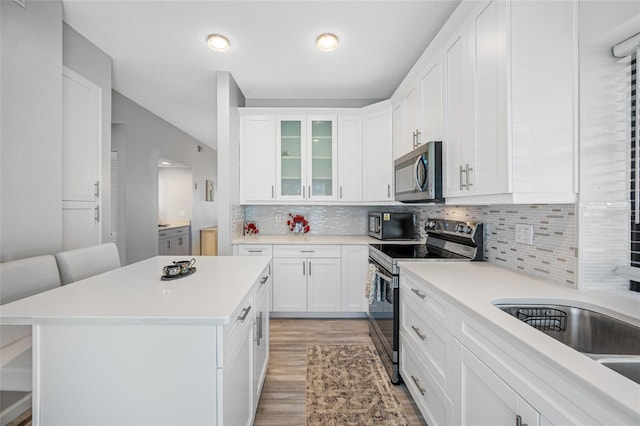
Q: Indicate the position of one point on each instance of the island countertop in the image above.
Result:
(136, 294)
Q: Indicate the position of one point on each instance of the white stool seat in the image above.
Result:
(82, 263)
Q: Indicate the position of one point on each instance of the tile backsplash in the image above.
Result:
(553, 254)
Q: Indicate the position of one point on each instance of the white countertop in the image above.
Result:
(472, 286)
(315, 239)
(173, 225)
(135, 294)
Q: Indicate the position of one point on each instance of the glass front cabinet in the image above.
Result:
(306, 166)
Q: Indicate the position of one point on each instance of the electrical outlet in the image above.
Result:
(524, 234)
(278, 217)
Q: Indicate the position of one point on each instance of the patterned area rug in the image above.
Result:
(347, 385)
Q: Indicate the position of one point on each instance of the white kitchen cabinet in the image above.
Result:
(505, 140)
(257, 157)
(350, 157)
(306, 168)
(483, 399)
(307, 278)
(377, 153)
(430, 112)
(252, 250)
(354, 277)
(236, 380)
(174, 241)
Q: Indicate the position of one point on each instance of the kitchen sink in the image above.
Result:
(611, 342)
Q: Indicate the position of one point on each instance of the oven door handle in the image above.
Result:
(384, 277)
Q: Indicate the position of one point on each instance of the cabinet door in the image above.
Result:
(182, 246)
(412, 131)
(291, 165)
(164, 247)
(236, 387)
(483, 398)
(459, 149)
(321, 153)
(350, 158)
(401, 143)
(377, 154)
(80, 221)
(354, 277)
(289, 284)
(257, 156)
(488, 55)
(430, 122)
(324, 285)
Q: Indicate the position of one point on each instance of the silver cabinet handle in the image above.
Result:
(307, 251)
(163, 234)
(519, 421)
(97, 214)
(303, 267)
(462, 185)
(309, 191)
(258, 323)
(97, 191)
(264, 279)
(341, 192)
(417, 292)
(418, 133)
(245, 312)
(420, 388)
(254, 251)
(467, 170)
(273, 192)
(309, 268)
(417, 331)
(303, 193)
(388, 190)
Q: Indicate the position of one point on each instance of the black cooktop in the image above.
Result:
(415, 251)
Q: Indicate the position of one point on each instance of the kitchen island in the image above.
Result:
(125, 347)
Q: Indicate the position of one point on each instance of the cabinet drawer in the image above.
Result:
(241, 318)
(427, 336)
(173, 232)
(255, 250)
(310, 250)
(424, 299)
(435, 406)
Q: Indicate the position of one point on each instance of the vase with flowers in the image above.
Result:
(298, 225)
(251, 229)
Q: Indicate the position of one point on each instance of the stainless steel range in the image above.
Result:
(446, 241)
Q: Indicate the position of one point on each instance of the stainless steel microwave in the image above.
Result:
(418, 175)
(391, 226)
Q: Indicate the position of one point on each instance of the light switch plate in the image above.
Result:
(524, 234)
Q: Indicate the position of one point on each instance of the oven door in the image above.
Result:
(384, 319)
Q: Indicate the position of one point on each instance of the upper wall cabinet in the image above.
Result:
(501, 80)
(309, 156)
(517, 143)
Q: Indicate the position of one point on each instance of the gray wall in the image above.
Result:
(83, 57)
(141, 140)
(31, 129)
(229, 98)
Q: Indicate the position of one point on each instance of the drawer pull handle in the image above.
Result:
(417, 331)
(264, 280)
(420, 388)
(245, 312)
(417, 292)
(307, 251)
(254, 251)
(519, 421)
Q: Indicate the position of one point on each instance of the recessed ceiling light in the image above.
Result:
(218, 42)
(165, 163)
(327, 42)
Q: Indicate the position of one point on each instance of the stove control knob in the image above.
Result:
(431, 224)
(468, 229)
(459, 228)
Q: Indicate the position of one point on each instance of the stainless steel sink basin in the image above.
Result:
(611, 342)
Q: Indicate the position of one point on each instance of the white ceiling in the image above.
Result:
(161, 61)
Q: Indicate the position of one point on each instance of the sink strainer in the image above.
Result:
(547, 319)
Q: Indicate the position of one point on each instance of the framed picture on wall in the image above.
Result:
(209, 190)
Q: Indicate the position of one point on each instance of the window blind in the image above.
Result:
(631, 47)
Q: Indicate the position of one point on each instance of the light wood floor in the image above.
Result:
(283, 396)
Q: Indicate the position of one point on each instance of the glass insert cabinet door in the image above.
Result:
(307, 157)
(292, 167)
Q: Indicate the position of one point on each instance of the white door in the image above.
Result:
(80, 161)
(289, 284)
(324, 288)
